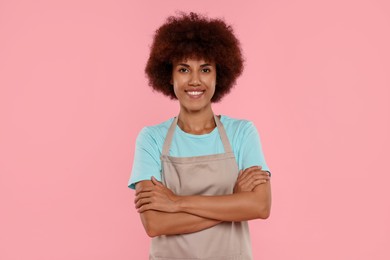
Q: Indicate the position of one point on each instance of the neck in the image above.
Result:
(199, 122)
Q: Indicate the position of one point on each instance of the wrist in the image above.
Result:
(178, 203)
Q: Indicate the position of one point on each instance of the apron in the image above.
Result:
(202, 175)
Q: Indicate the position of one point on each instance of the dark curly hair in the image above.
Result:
(194, 36)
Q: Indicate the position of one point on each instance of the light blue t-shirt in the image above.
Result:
(242, 134)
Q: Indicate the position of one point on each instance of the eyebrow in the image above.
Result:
(186, 65)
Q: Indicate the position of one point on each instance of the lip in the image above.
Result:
(195, 93)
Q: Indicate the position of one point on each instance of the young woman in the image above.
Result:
(198, 177)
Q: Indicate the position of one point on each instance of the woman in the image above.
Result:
(198, 177)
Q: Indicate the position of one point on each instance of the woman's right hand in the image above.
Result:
(156, 197)
(248, 179)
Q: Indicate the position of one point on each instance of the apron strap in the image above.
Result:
(222, 133)
(169, 137)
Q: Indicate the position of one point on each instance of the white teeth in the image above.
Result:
(195, 93)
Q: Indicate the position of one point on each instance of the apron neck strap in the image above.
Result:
(221, 130)
(169, 137)
(223, 135)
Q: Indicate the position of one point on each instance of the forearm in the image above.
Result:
(234, 207)
(157, 223)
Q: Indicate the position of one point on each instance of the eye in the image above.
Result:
(206, 70)
(183, 70)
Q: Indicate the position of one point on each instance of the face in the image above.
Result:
(194, 83)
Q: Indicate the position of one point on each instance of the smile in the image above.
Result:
(195, 93)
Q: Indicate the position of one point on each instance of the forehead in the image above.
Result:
(193, 61)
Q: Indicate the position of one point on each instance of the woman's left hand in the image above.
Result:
(157, 197)
(250, 178)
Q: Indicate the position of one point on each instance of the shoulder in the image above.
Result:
(239, 131)
(237, 125)
(154, 132)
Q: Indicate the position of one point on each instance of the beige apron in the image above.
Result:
(202, 175)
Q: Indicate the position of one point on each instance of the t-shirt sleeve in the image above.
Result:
(146, 159)
(251, 151)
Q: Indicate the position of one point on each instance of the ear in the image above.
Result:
(171, 82)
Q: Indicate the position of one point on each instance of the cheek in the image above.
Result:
(175, 89)
(212, 85)
(212, 91)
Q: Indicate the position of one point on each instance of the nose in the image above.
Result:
(194, 81)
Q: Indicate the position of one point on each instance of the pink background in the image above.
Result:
(73, 97)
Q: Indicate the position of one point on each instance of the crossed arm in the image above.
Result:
(165, 213)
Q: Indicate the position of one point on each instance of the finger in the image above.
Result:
(254, 178)
(257, 183)
(248, 172)
(263, 174)
(150, 206)
(251, 186)
(142, 202)
(255, 167)
(144, 208)
(257, 176)
(143, 195)
(244, 173)
(252, 168)
(145, 189)
(260, 181)
(156, 182)
(244, 177)
(258, 172)
(246, 185)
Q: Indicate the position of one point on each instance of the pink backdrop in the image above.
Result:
(74, 96)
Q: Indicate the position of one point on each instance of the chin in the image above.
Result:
(194, 107)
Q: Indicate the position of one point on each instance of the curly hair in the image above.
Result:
(194, 36)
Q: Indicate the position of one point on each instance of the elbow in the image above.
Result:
(263, 201)
(264, 212)
(151, 233)
(149, 223)
(151, 229)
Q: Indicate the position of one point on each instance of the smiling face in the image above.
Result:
(194, 83)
